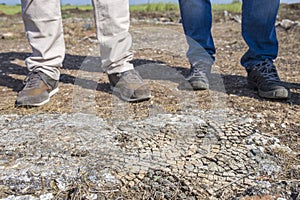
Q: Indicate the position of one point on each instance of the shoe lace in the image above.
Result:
(133, 76)
(32, 80)
(267, 71)
(199, 71)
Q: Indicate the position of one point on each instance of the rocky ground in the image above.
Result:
(225, 143)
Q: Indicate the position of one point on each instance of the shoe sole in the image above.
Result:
(53, 92)
(118, 93)
(274, 94)
(199, 85)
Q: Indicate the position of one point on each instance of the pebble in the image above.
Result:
(7, 35)
(283, 126)
(287, 24)
(255, 152)
(131, 183)
(47, 196)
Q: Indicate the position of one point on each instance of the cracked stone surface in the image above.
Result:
(185, 155)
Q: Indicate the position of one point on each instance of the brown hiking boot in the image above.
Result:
(129, 86)
(37, 90)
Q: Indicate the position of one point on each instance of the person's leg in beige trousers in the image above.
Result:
(44, 30)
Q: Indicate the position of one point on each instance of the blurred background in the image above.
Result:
(133, 2)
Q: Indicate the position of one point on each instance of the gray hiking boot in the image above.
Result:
(199, 76)
(264, 77)
(129, 86)
(37, 90)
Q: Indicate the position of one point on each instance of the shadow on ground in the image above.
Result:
(149, 69)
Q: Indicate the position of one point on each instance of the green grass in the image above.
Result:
(154, 7)
(233, 7)
(10, 10)
(68, 7)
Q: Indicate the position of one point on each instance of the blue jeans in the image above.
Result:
(258, 30)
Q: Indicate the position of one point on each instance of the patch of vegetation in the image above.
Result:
(66, 15)
(154, 7)
(235, 7)
(10, 10)
(70, 7)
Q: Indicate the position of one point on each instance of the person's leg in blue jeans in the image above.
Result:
(258, 30)
(197, 21)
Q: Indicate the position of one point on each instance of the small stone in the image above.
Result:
(220, 169)
(171, 162)
(164, 19)
(249, 154)
(147, 187)
(93, 196)
(182, 196)
(166, 169)
(211, 177)
(166, 182)
(141, 176)
(7, 35)
(124, 181)
(255, 152)
(124, 189)
(129, 178)
(189, 167)
(258, 116)
(283, 125)
(136, 188)
(168, 195)
(249, 182)
(210, 191)
(201, 135)
(226, 14)
(47, 196)
(27, 197)
(223, 138)
(131, 183)
(287, 24)
(205, 181)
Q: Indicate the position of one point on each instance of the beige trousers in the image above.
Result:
(44, 30)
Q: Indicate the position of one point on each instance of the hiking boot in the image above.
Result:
(129, 86)
(37, 90)
(264, 77)
(199, 76)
